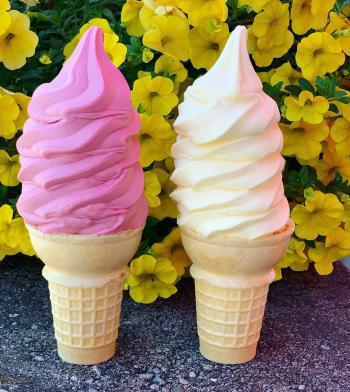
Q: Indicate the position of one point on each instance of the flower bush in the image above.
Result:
(299, 49)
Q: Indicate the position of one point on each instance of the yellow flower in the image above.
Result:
(169, 36)
(3, 252)
(45, 59)
(9, 112)
(294, 258)
(307, 107)
(6, 237)
(213, 26)
(303, 140)
(151, 278)
(172, 67)
(321, 214)
(336, 246)
(295, 255)
(130, 17)
(323, 266)
(340, 25)
(20, 235)
(31, 3)
(339, 241)
(270, 25)
(115, 50)
(330, 164)
(168, 164)
(200, 11)
(146, 15)
(340, 133)
(154, 95)
(266, 76)
(147, 56)
(171, 248)
(255, 5)
(285, 74)
(310, 14)
(175, 3)
(264, 57)
(161, 7)
(167, 208)
(17, 42)
(318, 54)
(14, 236)
(152, 189)
(5, 5)
(5, 18)
(22, 102)
(346, 215)
(168, 66)
(205, 47)
(9, 168)
(155, 133)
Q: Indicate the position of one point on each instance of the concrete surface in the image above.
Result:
(304, 346)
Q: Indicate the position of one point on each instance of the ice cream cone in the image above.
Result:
(232, 278)
(86, 275)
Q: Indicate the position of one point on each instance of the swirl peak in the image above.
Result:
(233, 73)
(85, 86)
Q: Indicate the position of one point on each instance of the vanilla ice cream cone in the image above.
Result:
(86, 274)
(232, 278)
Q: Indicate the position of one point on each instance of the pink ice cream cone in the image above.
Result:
(82, 196)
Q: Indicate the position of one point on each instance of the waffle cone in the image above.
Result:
(85, 276)
(232, 278)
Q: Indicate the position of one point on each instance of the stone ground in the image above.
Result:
(304, 346)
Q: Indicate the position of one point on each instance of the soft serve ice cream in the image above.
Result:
(228, 151)
(79, 152)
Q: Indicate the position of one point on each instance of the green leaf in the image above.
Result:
(339, 94)
(333, 108)
(326, 86)
(339, 185)
(297, 181)
(341, 4)
(306, 85)
(345, 100)
(294, 90)
(109, 15)
(3, 192)
(273, 91)
(304, 174)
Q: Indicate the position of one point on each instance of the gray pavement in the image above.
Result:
(304, 346)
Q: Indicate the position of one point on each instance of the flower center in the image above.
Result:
(165, 40)
(153, 94)
(318, 52)
(214, 46)
(273, 22)
(10, 36)
(176, 247)
(306, 5)
(145, 136)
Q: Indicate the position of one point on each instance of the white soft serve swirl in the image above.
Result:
(227, 155)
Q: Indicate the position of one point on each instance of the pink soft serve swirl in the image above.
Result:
(79, 152)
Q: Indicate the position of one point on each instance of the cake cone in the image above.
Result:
(86, 274)
(232, 278)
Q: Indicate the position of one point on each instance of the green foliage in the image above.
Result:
(296, 181)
